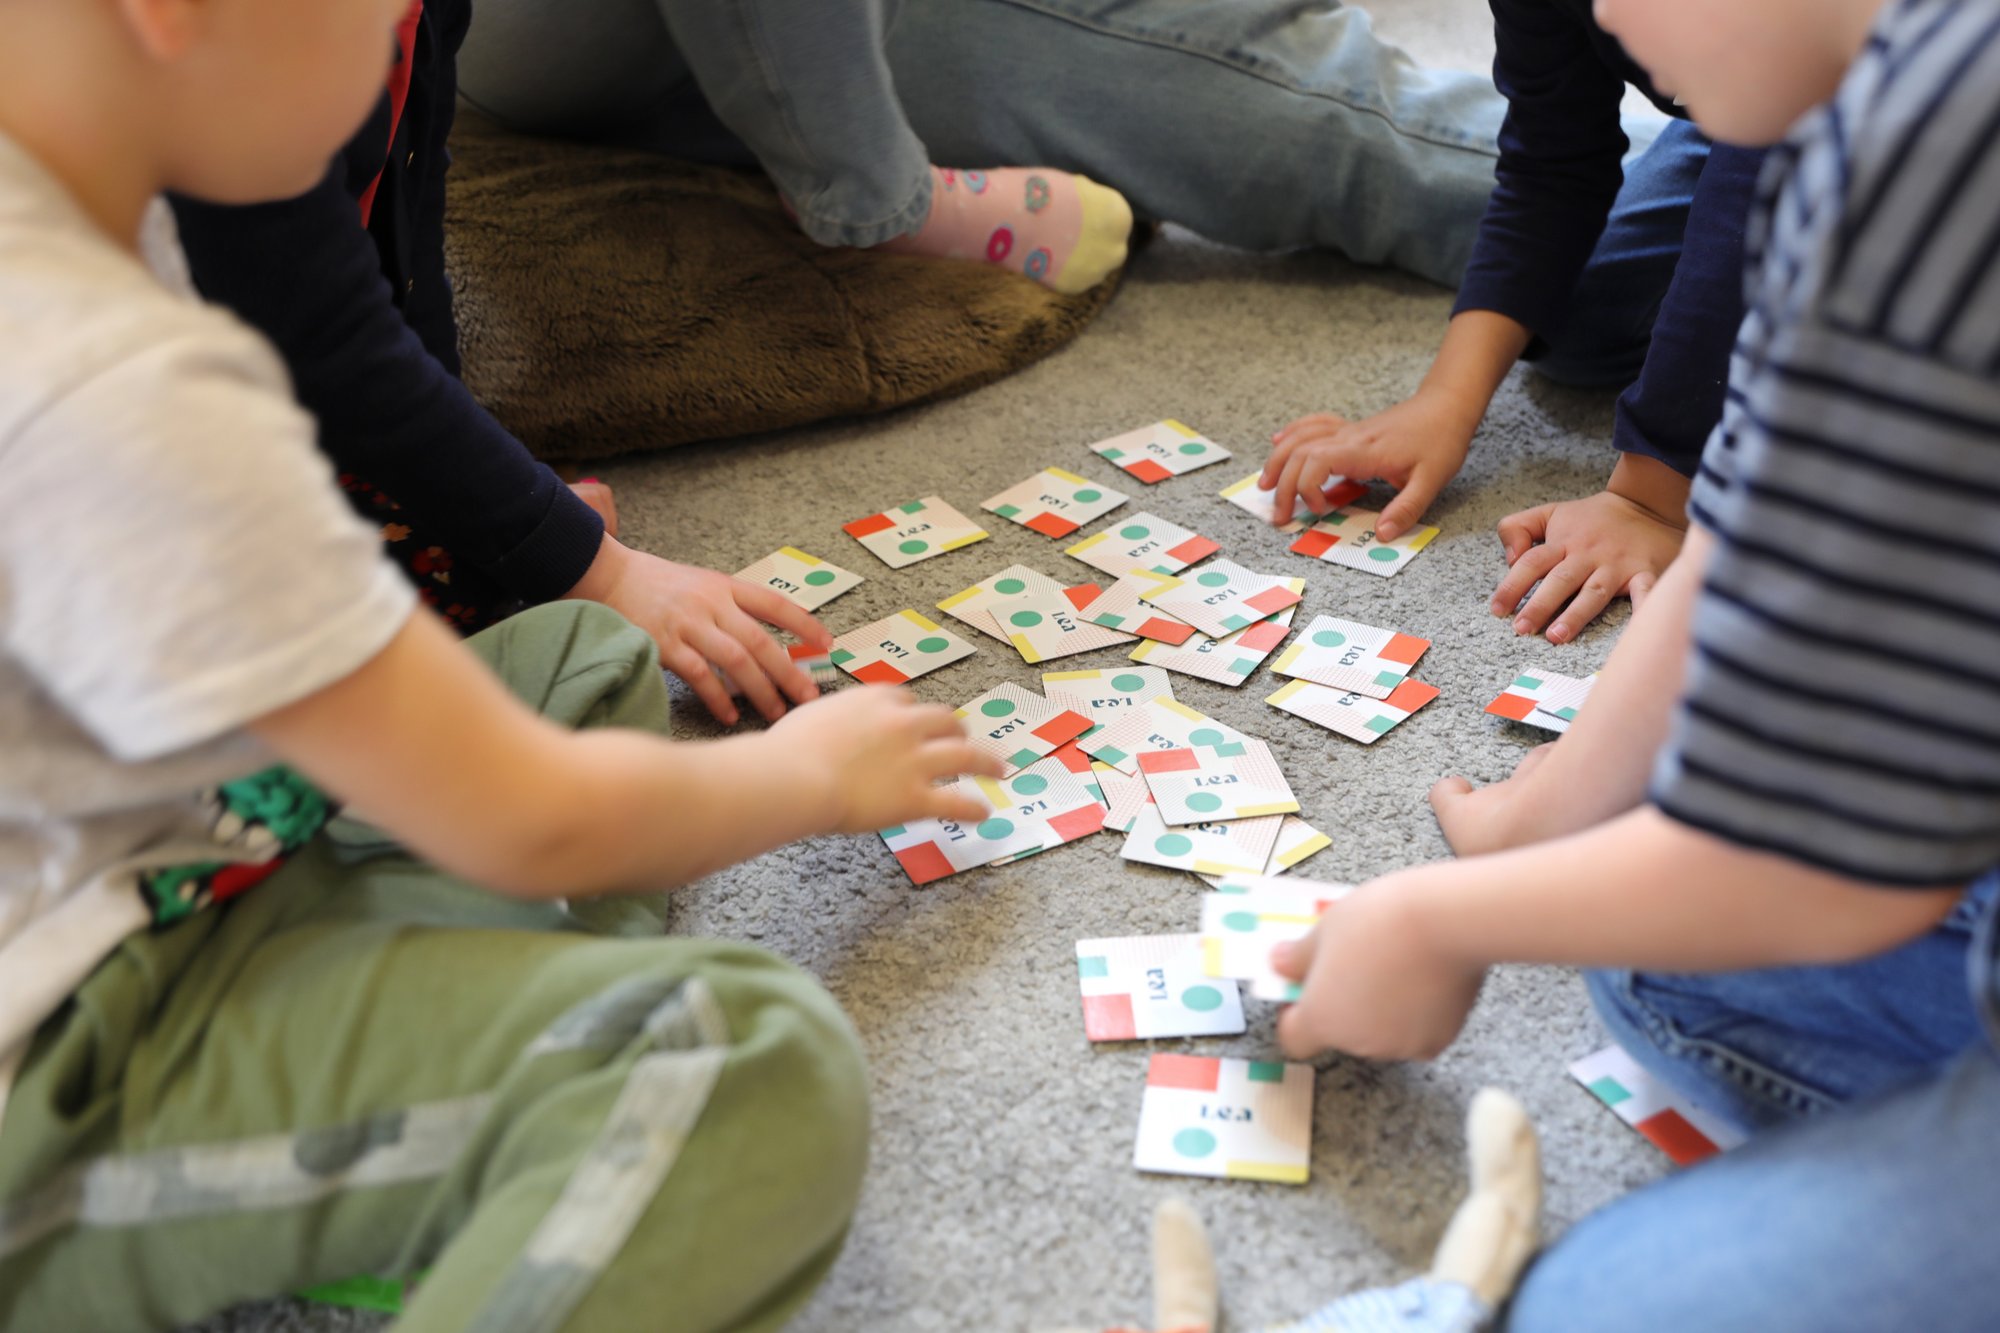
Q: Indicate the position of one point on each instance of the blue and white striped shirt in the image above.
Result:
(1843, 699)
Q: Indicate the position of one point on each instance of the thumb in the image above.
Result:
(1407, 509)
(1291, 958)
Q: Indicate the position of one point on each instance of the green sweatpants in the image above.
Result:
(363, 1067)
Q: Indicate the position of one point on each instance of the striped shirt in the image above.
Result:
(1843, 698)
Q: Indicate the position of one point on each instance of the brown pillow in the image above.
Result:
(611, 300)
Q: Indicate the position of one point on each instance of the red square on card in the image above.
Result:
(1514, 707)
(1109, 1018)
(862, 527)
(1078, 823)
(1051, 525)
(1683, 1144)
(1272, 600)
(1196, 1073)
(880, 673)
(1405, 648)
(924, 863)
(1064, 726)
(1315, 543)
(1148, 471)
(1193, 549)
(1263, 636)
(1169, 761)
(1166, 631)
(1411, 695)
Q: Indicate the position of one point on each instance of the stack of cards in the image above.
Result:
(1353, 715)
(1019, 589)
(1248, 496)
(1019, 728)
(1120, 608)
(1222, 597)
(1226, 661)
(1160, 724)
(1543, 699)
(1235, 1119)
(1355, 658)
(1054, 503)
(916, 531)
(1347, 537)
(1159, 451)
(1104, 696)
(1297, 841)
(897, 649)
(1042, 806)
(1146, 986)
(1202, 787)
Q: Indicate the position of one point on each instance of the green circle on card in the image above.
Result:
(997, 707)
(1202, 999)
(1383, 553)
(1194, 447)
(1243, 921)
(1173, 844)
(1026, 619)
(1030, 784)
(1089, 497)
(994, 829)
(1128, 682)
(914, 546)
(1135, 531)
(1204, 802)
(1010, 586)
(1329, 638)
(819, 578)
(1204, 736)
(1194, 1143)
(1215, 578)
(933, 645)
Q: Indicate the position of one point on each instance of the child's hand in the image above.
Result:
(1373, 985)
(1416, 446)
(1586, 552)
(873, 754)
(1496, 817)
(699, 617)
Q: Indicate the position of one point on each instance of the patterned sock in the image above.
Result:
(1062, 230)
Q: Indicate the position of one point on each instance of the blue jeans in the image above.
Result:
(1869, 1201)
(1264, 124)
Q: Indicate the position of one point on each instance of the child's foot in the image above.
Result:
(1064, 231)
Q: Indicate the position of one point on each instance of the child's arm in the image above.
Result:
(1598, 769)
(1393, 969)
(432, 747)
(1418, 445)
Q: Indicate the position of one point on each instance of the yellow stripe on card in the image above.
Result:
(1296, 585)
(1066, 476)
(1268, 808)
(1421, 540)
(1242, 485)
(1171, 424)
(1087, 543)
(1023, 647)
(1271, 1171)
(1218, 868)
(1289, 656)
(963, 541)
(1318, 843)
(1144, 650)
(958, 597)
(918, 620)
(1176, 706)
(800, 556)
(991, 790)
(1211, 948)
(1284, 695)
(1071, 675)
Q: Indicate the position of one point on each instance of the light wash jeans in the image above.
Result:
(1867, 1200)
(1264, 124)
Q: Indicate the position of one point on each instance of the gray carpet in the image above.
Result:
(1001, 1194)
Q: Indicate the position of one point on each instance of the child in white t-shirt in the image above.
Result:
(363, 1065)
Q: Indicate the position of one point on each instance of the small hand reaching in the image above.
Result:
(876, 754)
(1416, 446)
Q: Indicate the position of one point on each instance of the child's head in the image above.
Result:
(233, 101)
(1746, 70)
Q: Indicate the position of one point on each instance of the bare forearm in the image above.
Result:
(1479, 348)
(1645, 892)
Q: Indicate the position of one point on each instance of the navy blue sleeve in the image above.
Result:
(1668, 412)
(1559, 171)
(307, 275)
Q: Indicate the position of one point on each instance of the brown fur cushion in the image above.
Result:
(613, 300)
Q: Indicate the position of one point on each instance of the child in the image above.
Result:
(359, 1064)
(1658, 299)
(1786, 902)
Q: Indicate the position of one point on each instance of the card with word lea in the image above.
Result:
(1676, 1126)
(1119, 607)
(1159, 451)
(930, 849)
(897, 649)
(1345, 655)
(1230, 660)
(1056, 799)
(1543, 699)
(1143, 542)
(1202, 787)
(1347, 537)
(1160, 724)
(1354, 716)
(1019, 728)
(1046, 626)
(1297, 840)
(1230, 848)
(916, 531)
(1246, 918)
(1229, 1119)
(806, 581)
(1259, 503)
(1055, 503)
(1222, 597)
(1107, 694)
(975, 605)
(1140, 987)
